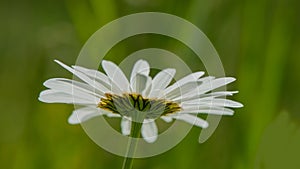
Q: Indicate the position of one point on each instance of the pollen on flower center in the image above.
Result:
(128, 104)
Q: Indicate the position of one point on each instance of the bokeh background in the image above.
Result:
(258, 42)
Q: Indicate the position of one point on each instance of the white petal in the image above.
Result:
(101, 78)
(85, 78)
(94, 74)
(125, 126)
(189, 78)
(139, 83)
(216, 102)
(185, 88)
(192, 119)
(207, 110)
(220, 94)
(161, 81)
(148, 87)
(110, 114)
(214, 84)
(205, 87)
(83, 114)
(207, 79)
(198, 97)
(52, 96)
(149, 131)
(167, 119)
(116, 75)
(71, 87)
(140, 67)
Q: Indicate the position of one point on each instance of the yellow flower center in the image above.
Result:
(128, 104)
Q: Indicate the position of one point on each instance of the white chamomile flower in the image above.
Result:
(141, 98)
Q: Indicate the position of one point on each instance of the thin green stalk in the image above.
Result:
(135, 133)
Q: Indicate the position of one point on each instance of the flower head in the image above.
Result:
(141, 98)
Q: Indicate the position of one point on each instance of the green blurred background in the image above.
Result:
(258, 42)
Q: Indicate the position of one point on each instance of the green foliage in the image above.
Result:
(258, 42)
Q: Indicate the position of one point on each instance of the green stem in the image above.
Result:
(135, 133)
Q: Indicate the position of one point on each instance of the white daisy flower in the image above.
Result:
(141, 98)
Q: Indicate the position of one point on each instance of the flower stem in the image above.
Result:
(134, 134)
